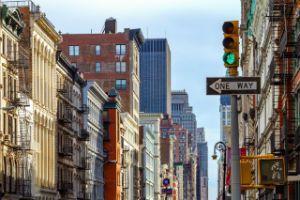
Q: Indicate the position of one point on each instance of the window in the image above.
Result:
(120, 66)
(3, 44)
(97, 50)
(98, 67)
(120, 84)
(120, 49)
(74, 50)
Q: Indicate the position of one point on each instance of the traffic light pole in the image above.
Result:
(235, 152)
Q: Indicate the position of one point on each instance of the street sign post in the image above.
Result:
(232, 85)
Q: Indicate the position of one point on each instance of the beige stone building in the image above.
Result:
(39, 77)
(15, 117)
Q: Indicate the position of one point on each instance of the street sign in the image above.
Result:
(166, 182)
(232, 85)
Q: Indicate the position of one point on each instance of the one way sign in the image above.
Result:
(232, 85)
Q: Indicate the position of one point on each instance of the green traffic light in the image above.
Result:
(229, 58)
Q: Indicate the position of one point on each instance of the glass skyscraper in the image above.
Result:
(155, 76)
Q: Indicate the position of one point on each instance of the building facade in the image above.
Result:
(182, 113)
(147, 146)
(180, 178)
(152, 120)
(202, 165)
(94, 98)
(269, 121)
(130, 163)
(72, 158)
(16, 110)
(225, 134)
(40, 37)
(112, 59)
(112, 147)
(155, 76)
(181, 143)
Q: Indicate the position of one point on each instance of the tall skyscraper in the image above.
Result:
(202, 166)
(155, 76)
(182, 113)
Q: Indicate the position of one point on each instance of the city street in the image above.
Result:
(149, 100)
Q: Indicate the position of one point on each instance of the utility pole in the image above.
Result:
(231, 61)
(235, 152)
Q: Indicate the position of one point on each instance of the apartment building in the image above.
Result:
(94, 98)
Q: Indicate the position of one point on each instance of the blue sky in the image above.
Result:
(193, 29)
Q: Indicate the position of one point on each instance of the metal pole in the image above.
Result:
(235, 152)
(224, 173)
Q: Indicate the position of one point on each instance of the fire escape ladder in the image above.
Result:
(281, 69)
(18, 63)
(276, 19)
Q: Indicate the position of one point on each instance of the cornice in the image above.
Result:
(49, 29)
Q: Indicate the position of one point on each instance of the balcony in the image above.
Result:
(84, 135)
(297, 139)
(66, 151)
(65, 187)
(84, 196)
(84, 109)
(65, 118)
(84, 164)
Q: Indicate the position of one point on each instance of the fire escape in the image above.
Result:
(281, 72)
(18, 63)
(281, 75)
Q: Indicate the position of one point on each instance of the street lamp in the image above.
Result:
(221, 146)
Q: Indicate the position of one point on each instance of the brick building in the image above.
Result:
(181, 145)
(112, 146)
(111, 58)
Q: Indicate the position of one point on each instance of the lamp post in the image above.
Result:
(221, 146)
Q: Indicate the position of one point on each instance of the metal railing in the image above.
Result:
(23, 3)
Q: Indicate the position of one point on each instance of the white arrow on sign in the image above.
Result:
(220, 86)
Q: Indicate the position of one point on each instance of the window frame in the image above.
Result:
(121, 86)
(97, 51)
(74, 50)
(98, 64)
(120, 68)
(119, 50)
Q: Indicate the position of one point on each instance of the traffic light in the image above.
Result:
(231, 46)
(271, 171)
(246, 175)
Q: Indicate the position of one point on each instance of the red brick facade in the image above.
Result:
(107, 76)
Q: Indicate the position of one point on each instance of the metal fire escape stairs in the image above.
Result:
(19, 63)
(281, 71)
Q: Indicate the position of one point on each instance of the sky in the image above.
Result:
(194, 32)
